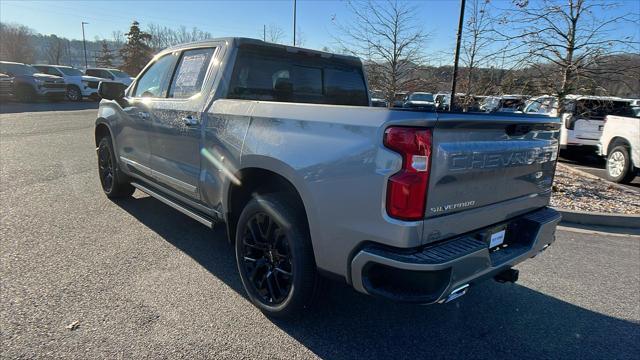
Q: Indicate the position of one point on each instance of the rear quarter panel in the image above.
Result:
(334, 157)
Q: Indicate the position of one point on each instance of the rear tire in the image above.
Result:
(619, 167)
(114, 183)
(274, 255)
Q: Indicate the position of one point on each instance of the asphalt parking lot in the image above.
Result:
(137, 279)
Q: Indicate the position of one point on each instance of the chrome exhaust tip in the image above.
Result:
(457, 293)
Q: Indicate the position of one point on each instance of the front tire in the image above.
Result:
(274, 255)
(619, 167)
(114, 183)
(73, 93)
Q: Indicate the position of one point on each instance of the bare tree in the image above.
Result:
(56, 49)
(118, 38)
(479, 44)
(163, 36)
(300, 39)
(569, 43)
(15, 43)
(389, 37)
(273, 34)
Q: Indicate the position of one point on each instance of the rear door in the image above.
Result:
(177, 123)
(485, 159)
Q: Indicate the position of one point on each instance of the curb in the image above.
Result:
(599, 219)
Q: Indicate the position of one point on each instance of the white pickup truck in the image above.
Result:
(620, 143)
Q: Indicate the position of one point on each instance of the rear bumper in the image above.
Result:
(429, 274)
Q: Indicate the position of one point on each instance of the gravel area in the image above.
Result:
(576, 190)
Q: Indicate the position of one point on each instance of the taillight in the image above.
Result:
(407, 189)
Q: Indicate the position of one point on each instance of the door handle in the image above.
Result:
(143, 115)
(190, 121)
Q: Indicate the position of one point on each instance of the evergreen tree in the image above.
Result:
(136, 53)
(106, 56)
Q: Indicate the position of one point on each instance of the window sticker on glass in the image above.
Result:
(190, 69)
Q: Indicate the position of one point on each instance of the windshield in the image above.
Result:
(17, 69)
(70, 71)
(421, 97)
(120, 74)
(377, 94)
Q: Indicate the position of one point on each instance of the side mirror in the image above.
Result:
(111, 90)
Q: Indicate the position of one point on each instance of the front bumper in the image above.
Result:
(430, 274)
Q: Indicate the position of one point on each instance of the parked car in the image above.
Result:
(282, 147)
(378, 100)
(29, 85)
(398, 99)
(421, 100)
(464, 102)
(110, 74)
(620, 144)
(79, 86)
(503, 103)
(582, 118)
(6, 85)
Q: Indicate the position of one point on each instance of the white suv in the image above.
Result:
(114, 75)
(620, 143)
(583, 118)
(79, 86)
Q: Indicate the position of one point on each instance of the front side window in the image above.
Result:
(70, 71)
(119, 74)
(190, 73)
(155, 81)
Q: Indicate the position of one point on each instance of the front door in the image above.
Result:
(177, 124)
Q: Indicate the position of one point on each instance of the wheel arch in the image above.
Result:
(618, 141)
(101, 130)
(258, 180)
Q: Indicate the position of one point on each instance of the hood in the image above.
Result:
(416, 102)
(92, 78)
(48, 77)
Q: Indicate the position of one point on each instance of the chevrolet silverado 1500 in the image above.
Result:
(281, 145)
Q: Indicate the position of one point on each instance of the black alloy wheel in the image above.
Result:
(105, 168)
(267, 259)
(74, 94)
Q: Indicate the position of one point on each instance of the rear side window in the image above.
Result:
(345, 87)
(598, 109)
(155, 81)
(273, 74)
(190, 73)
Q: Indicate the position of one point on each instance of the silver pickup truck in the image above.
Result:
(281, 145)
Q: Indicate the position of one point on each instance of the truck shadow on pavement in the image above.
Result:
(492, 321)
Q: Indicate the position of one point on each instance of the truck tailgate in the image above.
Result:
(481, 160)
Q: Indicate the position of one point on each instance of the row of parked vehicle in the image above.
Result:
(605, 125)
(55, 82)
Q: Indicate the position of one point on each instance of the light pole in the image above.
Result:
(294, 22)
(84, 46)
(457, 56)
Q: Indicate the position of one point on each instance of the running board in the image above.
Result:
(199, 218)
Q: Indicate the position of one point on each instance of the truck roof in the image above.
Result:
(239, 41)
